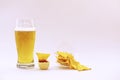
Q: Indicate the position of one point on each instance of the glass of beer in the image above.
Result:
(25, 40)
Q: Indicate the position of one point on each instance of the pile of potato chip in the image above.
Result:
(67, 59)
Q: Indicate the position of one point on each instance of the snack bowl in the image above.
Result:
(43, 65)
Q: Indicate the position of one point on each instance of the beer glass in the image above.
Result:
(25, 40)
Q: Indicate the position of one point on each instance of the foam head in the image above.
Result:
(25, 29)
(24, 25)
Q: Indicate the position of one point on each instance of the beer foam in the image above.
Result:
(25, 29)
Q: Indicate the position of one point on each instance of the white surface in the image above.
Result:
(90, 29)
(103, 67)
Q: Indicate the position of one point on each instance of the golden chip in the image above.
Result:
(67, 59)
(42, 56)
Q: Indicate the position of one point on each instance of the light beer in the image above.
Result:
(25, 41)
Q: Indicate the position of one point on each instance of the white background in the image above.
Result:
(89, 29)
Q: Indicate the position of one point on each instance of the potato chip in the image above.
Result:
(42, 56)
(67, 59)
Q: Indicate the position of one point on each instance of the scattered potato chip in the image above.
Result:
(67, 59)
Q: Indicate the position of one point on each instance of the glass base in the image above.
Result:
(25, 66)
